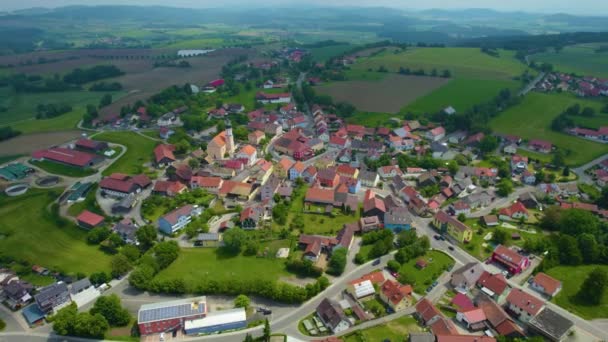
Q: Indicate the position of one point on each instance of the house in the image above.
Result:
(418, 206)
(332, 315)
(284, 165)
(212, 240)
(473, 318)
(519, 163)
(462, 301)
(210, 184)
(296, 170)
(248, 153)
(156, 318)
(489, 220)
(443, 326)
(528, 177)
(391, 171)
(540, 146)
(369, 223)
(551, 325)
(266, 98)
(361, 288)
(369, 178)
(256, 137)
(91, 145)
(464, 278)
(320, 196)
(461, 207)
(127, 231)
(398, 219)
(497, 318)
(510, 149)
(251, 216)
(528, 200)
(479, 200)
(89, 220)
(426, 179)
(163, 155)
(53, 297)
(546, 284)
(421, 337)
(426, 312)
(465, 338)
(409, 193)
(373, 205)
(347, 171)
(514, 262)
(516, 211)
(474, 139)
(523, 305)
(450, 225)
(493, 285)
(313, 245)
(17, 293)
(168, 188)
(178, 218)
(119, 185)
(328, 178)
(237, 190)
(165, 132)
(221, 145)
(68, 157)
(397, 296)
(435, 134)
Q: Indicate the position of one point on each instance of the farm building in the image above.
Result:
(273, 98)
(170, 316)
(68, 157)
(89, 220)
(15, 171)
(217, 322)
(90, 145)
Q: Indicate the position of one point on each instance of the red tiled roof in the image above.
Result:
(266, 96)
(125, 186)
(346, 169)
(375, 277)
(547, 282)
(318, 195)
(525, 301)
(89, 218)
(89, 143)
(164, 151)
(444, 326)
(206, 182)
(493, 282)
(515, 208)
(66, 156)
(462, 301)
(426, 310)
(174, 215)
(395, 292)
(508, 256)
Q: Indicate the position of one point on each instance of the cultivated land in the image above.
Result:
(579, 59)
(532, 120)
(395, 330)
(194, 265)
(26, 144)
(322, 54)
(462, 62)
(572, 278)
(390, 94)
(37, 239)
(139, 151)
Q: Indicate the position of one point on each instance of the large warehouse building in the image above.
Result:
(170, 316)
(217, 322)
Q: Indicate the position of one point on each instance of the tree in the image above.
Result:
(131, 252)
(98, 234)
(99, 278)
(603, 200)
(2, 325)
(566, 171)
(91, 326)
(578, 221)
(462, 217)
(488, 144)
(393, 265)
(119, 265)
(500, 236)
(504, 187)
(234, 239)
(146, 236)
(559, 158)
(588, 112)
(266, 336)
(593, 288)
(337, 263)
(589, 248)
(248, 338)
(165, 253)
(111, 309)
(106, 100)
(242, 301)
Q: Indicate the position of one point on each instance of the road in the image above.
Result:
(531, 85)
(580, 171)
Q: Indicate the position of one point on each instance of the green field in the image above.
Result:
(322, 54)
(37, 239)
(437, 263)
(22, 109)
(139, 151)
(600, 119)
(63, 170)
(199, 43)
(532, 120)
(462, 62)
(195, 264)
(395, 330)
(579, 59)
(6, 159)
(572, 278)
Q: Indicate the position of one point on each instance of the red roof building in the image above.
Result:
(67, 156)
(163, 154)
(89, 220)
(495, 283)
(514, 262)
(524, 305)
(546, 284)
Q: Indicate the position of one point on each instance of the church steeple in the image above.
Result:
(229, 138)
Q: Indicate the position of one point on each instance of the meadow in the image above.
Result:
(437, 263)
(572, 278)
(395, 330)
(580, 59)
(462, 62)
(322, 54)
(37, 239)
(532, 120)
(139, 151)
(390, 94)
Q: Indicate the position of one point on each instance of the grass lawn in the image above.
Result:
(325, 224)
(247, 98)
(322, 54)
(475, 248)
(197, 263)
(532, 120)
(425, 277)
(139, 151)
(460, 93)
(600, 119)
(369, 119)
(37, 239)
(462, 62)
(579, 59)
(395, 330)
(6, 159)
(63, 170)
(572, 278)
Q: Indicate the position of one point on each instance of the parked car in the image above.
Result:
(436, 237)
(451, 248)
(395, 274)
(376, 262)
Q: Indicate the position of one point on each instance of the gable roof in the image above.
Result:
(90, 218)
(496, 283)
(547, 282)
(395, 292)
(426, 310)
(173, 216)
(331, 312)
(163, 151)
(525, 301)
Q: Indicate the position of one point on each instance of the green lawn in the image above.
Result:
(37, 239)
(579, 59)
(460, 93)
(395, 330)
(462, 62)
(38, 280)
(63, 170)
(322, 54)
(89, 203)
(572, 278)
(532, 120)
(195, 264)
(139, 151)
(6, 159)
(201, 43)
(369, 119)
(425, 277)
(327, 225)
(475, 248)
(600, 119)
(247, 98)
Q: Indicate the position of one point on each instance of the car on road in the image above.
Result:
(376, 262)
(395, 274)
(451, 248)
(435, 283)
(436, 237)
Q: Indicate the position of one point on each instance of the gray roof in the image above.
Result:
(467, 275)
(181, 308)
(398, 215)
(551, 324)
(50, 292)
(422, 337)
(438, 147)
(127, 230)
(80, 285)
(369, 176)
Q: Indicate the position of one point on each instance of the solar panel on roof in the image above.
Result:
(163, 311)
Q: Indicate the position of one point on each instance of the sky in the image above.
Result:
(591, 7)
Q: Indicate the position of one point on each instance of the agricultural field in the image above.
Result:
(532, 120)
(139, 151)
(572, 278)
(61, 169)
(395, 330)
(580, 59)
(38, 239)
(28, 143)
(437, 263)
(195, 264)
(387, 95)
(322, 54)
(462, 62)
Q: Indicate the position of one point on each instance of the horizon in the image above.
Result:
(599, 10)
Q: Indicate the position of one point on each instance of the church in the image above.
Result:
(221, 144)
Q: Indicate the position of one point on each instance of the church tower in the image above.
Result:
(229, 138)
